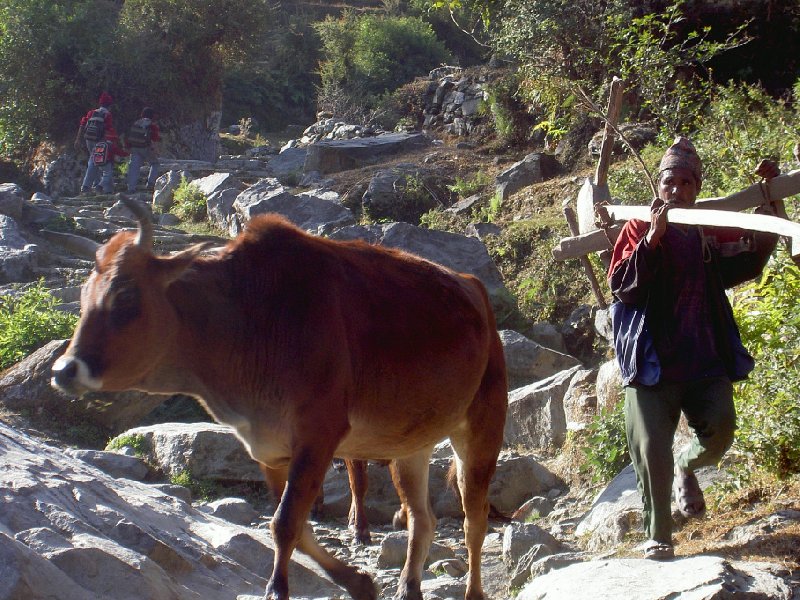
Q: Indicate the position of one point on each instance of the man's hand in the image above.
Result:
(658, 222)
(767, 169)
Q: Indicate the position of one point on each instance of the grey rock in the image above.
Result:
(235, 510)
(115, 464)
(206, 450)
(393, 551)
(311, 213)
(520, 538)
(707, 577)
(527, 361)
(536, 417)
(25, 387)
(11, 200)
(534, 168)
(339, 155)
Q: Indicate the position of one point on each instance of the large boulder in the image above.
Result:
(70, 531)
(534, 168)
(402, 193)
(309, 212)
(11, 200)
(205, 450)
(18, 257)
(706, 577)
(536, 417)
(458, 252)
(341, 155)
(527, 361)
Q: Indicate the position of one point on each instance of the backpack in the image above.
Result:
(101, 154)
(95, 126)
(139, 133)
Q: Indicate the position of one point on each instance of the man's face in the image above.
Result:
(677, 187)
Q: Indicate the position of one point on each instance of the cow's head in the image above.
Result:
(126, 319)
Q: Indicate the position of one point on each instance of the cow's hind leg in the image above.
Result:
(410, 476)
(359, 524)
(291, 530)
(476, 447)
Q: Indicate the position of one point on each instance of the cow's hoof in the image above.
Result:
(276, 591)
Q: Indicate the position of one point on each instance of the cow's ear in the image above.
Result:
(172, 267)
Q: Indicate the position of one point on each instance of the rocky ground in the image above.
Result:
(758, 525)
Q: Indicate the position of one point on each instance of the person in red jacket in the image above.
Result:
(688, 353)
(97, 127)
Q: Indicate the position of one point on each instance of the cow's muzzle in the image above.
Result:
(72, 376)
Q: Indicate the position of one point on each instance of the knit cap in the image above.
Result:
(105, 99)
(682, 155)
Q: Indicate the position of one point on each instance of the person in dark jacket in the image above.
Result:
(142, 143)
(677, 275)
(100, 177)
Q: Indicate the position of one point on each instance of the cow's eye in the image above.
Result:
(125, 307)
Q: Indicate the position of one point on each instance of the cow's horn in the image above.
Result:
(145, 237)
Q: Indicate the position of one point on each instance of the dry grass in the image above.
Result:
(770, 539)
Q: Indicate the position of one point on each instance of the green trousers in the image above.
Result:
(651, 418)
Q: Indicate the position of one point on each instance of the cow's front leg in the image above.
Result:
(297, 488)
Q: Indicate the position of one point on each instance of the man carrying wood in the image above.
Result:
(676, 339)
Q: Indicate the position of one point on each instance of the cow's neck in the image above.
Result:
(209, 331)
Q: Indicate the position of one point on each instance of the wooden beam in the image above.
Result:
(715, 218)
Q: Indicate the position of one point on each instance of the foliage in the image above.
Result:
(568, 49)
(28, 321)
(168, 54)
(627, 181)
(414, 199)
(488, 213)
(606, 448)
(545, 289)
(664, 66)
(190, 202)
(508, 109)
(277, 86)
(369, 55)
(136, 441)
(769, 428)
(442, 220)
(205, 489)
(466, 187)
(49, 52)
(743, 125)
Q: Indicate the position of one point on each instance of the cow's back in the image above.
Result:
(405, 340)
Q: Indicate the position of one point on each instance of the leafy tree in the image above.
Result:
(277, 85)
(176, 50)
(369, 55)
(56, 56)
(49, 54)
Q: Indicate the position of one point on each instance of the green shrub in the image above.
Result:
(28, 321)
(442, 220)
(190, 202)
(366, 56)
(205, 489)
(605, 447)
(468, 186)
(769, 414)
(136, 441)
(743, 125)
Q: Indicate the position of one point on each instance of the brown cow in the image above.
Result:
(309, 348)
